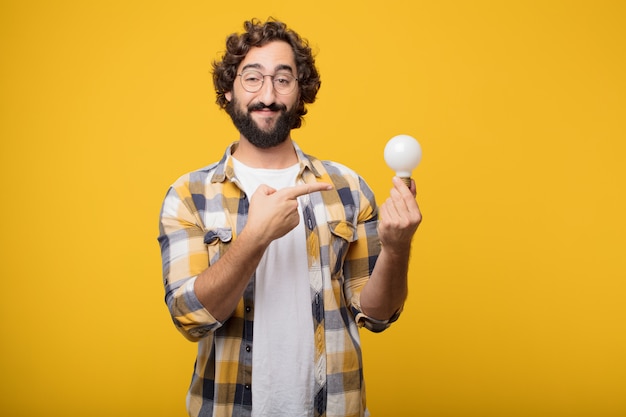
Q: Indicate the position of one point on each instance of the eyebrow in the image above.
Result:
(281, 67)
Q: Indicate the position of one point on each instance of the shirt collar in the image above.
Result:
(225, 170)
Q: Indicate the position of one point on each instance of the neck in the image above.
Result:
(277, 157)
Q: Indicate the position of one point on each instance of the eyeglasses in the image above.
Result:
(283, 82)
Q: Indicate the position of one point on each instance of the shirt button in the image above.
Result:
(248, 349)
(247, 386)
(248, 309)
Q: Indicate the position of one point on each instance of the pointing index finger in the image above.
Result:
(302, 189)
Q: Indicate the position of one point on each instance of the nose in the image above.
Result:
(267, 94)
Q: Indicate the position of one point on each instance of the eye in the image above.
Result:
(283, 79)
(251, 77)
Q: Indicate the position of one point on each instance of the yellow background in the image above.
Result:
(517, 304)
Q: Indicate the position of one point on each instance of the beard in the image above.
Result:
(253, 133)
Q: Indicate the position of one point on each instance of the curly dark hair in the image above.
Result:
(257, 34)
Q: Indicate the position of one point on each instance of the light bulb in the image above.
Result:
(403, 154)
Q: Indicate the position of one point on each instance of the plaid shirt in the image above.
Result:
(203, 212)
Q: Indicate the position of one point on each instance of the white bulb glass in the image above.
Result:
(403, 154)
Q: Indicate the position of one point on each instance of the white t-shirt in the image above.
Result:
(283, 346)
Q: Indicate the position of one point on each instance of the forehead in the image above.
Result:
(270, 57)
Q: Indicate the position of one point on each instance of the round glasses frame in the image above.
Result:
(283, 82)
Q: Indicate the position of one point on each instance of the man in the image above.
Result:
(272, 259)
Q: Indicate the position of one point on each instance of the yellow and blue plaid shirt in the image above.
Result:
(203, 212)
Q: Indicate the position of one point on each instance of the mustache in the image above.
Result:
(263, 106)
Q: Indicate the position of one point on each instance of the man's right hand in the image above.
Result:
(274, 213)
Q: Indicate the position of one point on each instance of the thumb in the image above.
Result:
(265, 189)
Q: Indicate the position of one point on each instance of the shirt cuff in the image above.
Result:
(196, 322)
(371, 324)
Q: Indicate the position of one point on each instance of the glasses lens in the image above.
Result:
(284, 83)
(251, 81)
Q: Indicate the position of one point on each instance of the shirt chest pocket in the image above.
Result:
(342, 233)
(217, 241)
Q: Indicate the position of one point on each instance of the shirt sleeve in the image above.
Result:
(184, 256)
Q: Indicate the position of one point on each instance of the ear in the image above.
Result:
(228, 95)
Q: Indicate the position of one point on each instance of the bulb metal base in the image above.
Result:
(406, 181)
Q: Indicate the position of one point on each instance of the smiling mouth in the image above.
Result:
(263, 111)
